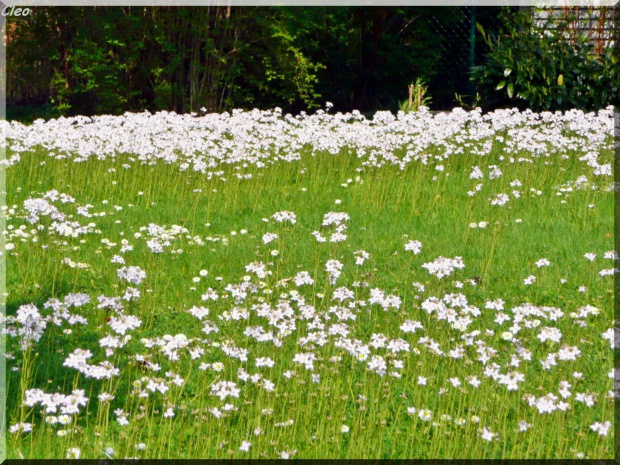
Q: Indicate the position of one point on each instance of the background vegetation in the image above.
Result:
(109, 60)
(550, 69)
(114, 59)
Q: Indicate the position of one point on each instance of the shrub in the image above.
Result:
(550, 70)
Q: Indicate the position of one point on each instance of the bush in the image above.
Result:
(544, 70)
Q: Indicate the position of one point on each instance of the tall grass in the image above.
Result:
(387, 206)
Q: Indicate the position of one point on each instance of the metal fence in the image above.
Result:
(596, 23)
(462, 47)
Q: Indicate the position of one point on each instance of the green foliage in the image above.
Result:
(417, 97)
(29, 113)
(116, 59)
(544, 71)
(467, 106)
(112, 60)
(276, 70)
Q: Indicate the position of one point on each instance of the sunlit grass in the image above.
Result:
(387, 207)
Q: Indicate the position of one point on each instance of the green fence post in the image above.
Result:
(472, 43)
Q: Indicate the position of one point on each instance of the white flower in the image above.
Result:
(425, 415)
(303, 277)
(199, 312)
(20, 428)
(307, 359)
(105, 397)
(285, 216)
(335, 218)
(500, 200)
(410, 326)
(245, 446)
(264, 362)
(414, 246)
(361, 256)
(487, 435)
(495, 172)
(318, 236)
(549, 333)
(132, 274)
(444, 266)
(223, 389)
(476, 173)
(269, 237)
(31, 324)
(74, 453)
(334, 268)
(344, 429)
(601, 428)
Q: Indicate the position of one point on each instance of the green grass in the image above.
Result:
(388, 207)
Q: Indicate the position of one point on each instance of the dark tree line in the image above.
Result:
(95, 60)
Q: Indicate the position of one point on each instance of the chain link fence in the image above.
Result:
(462, 48)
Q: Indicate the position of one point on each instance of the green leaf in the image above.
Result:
(500, 85)
(560, 81)
(507, 72)
(511, 90)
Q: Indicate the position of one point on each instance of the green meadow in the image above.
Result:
(321, 369)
